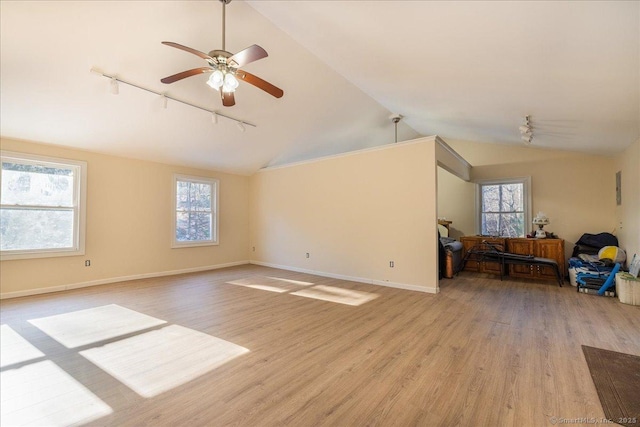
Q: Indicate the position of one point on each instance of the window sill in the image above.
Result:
(178, 245)
(8, 256)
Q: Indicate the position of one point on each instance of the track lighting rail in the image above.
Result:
(166, 97)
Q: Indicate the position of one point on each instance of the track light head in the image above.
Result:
(113, 86)
(214, 118)
(241, 126)
(526, 131)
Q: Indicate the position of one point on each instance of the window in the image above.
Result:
(42, 206)
(196, 211)
(504, 207)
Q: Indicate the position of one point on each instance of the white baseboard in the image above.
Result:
(37, 291)
(405, 286)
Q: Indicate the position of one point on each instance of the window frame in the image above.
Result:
(526, 181)
(215, 189)
(79, 207)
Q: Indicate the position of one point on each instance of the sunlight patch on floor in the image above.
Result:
(157, 361)
(338, 295)
(15, 349)
(271, 284)
(42, 394)
(295, 282)
(93, 325)
(306, 289)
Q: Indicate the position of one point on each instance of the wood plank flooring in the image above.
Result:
(481, 352)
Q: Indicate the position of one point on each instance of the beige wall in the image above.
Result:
(576, 191)
(628, 213)
(456, 202)
(129, 224)
(353, 214)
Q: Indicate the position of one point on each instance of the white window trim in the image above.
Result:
(80, 207)
(215, 184)
(526, 180)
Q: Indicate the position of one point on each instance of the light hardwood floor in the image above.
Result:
(480, 353)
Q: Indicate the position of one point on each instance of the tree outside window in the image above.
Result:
(504, 208)
(195, 211)
(41, 206)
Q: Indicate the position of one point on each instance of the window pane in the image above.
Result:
(193, 196)
(193, 226)
(22, 229)
(512, 224)
(512, 198)
(36, 185)
(490, 198)
(490, 224)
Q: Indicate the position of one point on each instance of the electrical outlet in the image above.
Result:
(87, 263)
(307, 254)
(391, 264)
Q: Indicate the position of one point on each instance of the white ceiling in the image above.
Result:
(462, 70)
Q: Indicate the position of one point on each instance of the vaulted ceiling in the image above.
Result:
(462, 70)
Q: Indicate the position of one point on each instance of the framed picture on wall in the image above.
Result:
(619, 188)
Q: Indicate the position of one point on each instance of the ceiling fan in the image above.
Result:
(225, 68)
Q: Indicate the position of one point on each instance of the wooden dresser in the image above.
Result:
(543, 248)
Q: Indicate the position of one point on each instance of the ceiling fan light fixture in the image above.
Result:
(216, 80)
(224, 65)
(230, 83)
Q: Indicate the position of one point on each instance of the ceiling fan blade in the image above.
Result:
(244, 57)
(260, 84)
(185, 74)
(188, 49)
(228, 100)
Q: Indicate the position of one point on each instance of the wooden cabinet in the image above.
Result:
(543, 248)
(522, 247)
(473, 264)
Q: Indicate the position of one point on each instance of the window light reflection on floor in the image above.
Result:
(157, 361)
(271, 284)
(93, 325)
(43, 394)
(15, 349)
(306, 289)
(337, 295)
(294, 282)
